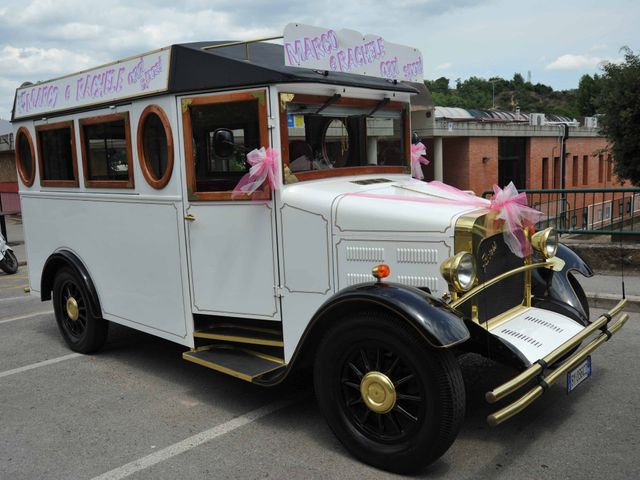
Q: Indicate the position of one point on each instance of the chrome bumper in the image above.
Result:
(538, 368)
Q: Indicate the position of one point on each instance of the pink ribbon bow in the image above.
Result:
(417, 159)
(264, 167)
(510, 206)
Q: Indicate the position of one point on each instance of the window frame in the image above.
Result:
(286, 97)
(27, 181)
(88, 183)
(74, 155)
(147, 172)
(260, 96)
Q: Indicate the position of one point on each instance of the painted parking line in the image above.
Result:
(194, 441)
(24, 317)
(44, 363)
(21, 297)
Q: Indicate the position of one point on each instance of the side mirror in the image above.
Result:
(223, 144)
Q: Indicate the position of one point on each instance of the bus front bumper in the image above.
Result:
(604, 324)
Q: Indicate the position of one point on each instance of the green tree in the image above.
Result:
(587, 94)
(619, 101)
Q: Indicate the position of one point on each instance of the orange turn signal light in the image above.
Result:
(381, 271)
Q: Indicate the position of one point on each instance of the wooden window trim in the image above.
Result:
(88, 183)
(260, 96)
(74, 158)
(147, 172)
(27, 181)
(328, 173)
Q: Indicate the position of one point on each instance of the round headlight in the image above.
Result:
(459, 271)
(546, 242)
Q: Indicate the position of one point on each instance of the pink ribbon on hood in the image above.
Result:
(417, 159)
(264, 167)
(510, 206)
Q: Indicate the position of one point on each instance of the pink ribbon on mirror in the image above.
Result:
(417, 160)
(264, 167)
(509, 205)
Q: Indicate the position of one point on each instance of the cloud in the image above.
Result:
(31, 62)
(444, 66)
(574, 62)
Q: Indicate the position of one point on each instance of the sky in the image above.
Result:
(556, 41)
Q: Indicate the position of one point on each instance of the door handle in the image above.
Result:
(190, 218)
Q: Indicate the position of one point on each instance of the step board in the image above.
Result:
(237, 362)
(239, 334)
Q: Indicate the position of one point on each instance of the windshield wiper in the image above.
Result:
(330, 101)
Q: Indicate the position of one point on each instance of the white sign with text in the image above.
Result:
(350, 51)
(145, 74)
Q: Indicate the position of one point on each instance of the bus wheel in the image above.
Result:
(82, 331)
(394, 402)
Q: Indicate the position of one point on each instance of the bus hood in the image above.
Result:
(385, 204)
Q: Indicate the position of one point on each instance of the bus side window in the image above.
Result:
(214, 173)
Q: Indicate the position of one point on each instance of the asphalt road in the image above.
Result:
(137, 410)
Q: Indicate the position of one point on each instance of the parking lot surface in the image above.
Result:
(137, 410)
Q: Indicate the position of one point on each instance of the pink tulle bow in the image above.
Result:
(512, 207)
(264, 167)
(417, 159)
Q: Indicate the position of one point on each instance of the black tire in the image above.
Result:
(86, 333)
(9, 264)
(428, 388)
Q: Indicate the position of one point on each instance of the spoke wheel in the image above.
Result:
(81, 330)
(392, 400)
(381, 393)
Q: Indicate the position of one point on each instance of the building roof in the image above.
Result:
(484, 115)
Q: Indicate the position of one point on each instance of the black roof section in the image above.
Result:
(193, 68)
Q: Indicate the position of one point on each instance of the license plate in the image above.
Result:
(579, 374)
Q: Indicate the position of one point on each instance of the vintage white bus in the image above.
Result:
(129, 181)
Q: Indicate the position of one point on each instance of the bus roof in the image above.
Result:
(179, 68)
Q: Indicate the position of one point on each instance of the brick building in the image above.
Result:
(474, 149)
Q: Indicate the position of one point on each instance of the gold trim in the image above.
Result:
(234, 373)
(527, 399)
(535, 369)
(263, 356)
(480, 288)
(186, 103)
(239, 339)
(378, 392)
(218, 368)
(505, 316)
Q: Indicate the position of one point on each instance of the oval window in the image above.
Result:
(155, 146)
(25, 156)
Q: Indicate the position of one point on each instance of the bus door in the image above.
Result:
(231, 238)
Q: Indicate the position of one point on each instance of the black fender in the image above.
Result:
(66, 258)
(560, 291)
(431, 318)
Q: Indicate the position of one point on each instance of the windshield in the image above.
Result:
(325, 134)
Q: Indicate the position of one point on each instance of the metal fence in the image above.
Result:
(606, 211)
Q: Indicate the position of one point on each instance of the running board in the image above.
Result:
(239, 334)
(244, 364)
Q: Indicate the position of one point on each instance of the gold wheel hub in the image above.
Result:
(378, 392)
(73, 312)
